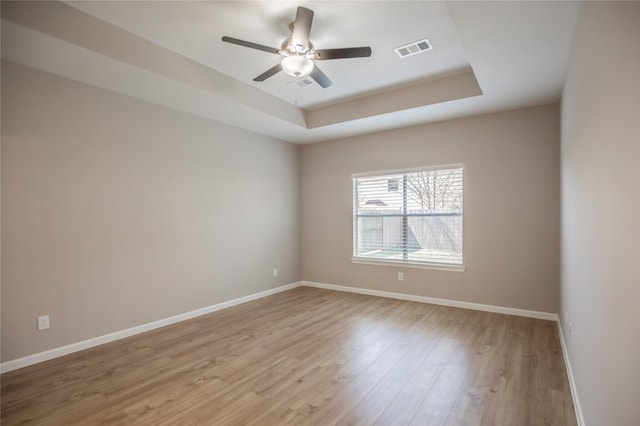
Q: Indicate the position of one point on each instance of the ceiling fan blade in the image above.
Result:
(348, 52)
(320, 77)
(268, 73)
(302, 27)
(250, 44)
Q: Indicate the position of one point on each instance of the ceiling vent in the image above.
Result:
(300, 82)
(413, 48)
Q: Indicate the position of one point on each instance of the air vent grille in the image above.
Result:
(300, 82)
(413, 48)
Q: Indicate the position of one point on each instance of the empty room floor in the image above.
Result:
(309, 356)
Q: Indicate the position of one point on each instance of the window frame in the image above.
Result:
(404, 263)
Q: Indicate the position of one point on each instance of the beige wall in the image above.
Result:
(117, 212)
(511, 207)
(600, 285)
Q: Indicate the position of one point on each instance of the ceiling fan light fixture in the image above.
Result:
(297, 65)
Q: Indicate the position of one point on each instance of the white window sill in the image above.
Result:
(404, 264)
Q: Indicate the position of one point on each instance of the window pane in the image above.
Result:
(380, 195)
(435, 238)
(380, 237)
(435, 190)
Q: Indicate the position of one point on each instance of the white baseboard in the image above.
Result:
(572, 383)
(89, 343)
(445, 302)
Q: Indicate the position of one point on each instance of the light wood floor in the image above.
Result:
(308, 356)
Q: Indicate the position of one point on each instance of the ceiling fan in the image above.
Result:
(299, 53)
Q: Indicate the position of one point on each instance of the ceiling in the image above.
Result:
(487, 57)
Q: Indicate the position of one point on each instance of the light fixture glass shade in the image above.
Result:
(297, 66)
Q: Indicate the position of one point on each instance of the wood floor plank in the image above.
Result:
(436, 407)
(308, 356)
(370, 408)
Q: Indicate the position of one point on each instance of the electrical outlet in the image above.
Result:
(43, 322)
(567, 322)
(275, 272)
(400, 276)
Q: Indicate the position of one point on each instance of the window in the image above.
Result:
(409, 217)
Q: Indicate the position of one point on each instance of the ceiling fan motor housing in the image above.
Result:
(289, 49)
